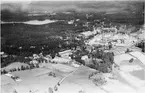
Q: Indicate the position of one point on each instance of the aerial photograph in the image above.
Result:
(72, 46)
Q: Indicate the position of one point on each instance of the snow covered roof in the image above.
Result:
(88, 33)
(85, 57)
(60, 60)
(64, 52)
(1, 53)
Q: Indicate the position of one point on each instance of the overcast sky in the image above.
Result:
(64, 0)
(108, 7)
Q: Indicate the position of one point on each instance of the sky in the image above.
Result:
(63, 0)
(108, 7)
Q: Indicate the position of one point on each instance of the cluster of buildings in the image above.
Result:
(3, 54)
(61, 57)
(105, 37)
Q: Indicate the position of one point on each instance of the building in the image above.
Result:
(61, 60)
(34, 62)
(71, 22)
(35, 56)
(65, 54)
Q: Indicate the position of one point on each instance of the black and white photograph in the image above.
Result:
(72, 46)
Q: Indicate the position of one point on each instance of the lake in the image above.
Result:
(33, 22)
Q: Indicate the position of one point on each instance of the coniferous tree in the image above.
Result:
(127, 50)
(15, 91)
(31, 67)
(22, 67)
(11, 70)
(1, 72)
(27, 67)
(37, 65)
(4, 71)
(19, 69)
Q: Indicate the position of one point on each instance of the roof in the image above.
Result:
(61, 60)
(87, 33)
(64, 52)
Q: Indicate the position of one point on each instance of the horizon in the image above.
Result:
(16, 1)
(115, 6)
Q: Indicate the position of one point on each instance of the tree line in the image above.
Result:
(22, 68)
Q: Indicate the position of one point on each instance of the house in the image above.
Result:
(85, 57)
(35, 56)
(88, 33)
(65, 54)
(89, 48)
(48, 58)
(34, 62)
(71, 22)
(1, 53)
(112, 29)
(61, 60)
(75, 64)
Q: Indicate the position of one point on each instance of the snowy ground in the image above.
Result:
(38, 81)
(15, 65)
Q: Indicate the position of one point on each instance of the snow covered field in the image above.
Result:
(14, 65)
(38, 81)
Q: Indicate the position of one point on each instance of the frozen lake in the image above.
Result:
(33, 22)
(37, 22)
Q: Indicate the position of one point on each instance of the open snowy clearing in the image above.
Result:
(14, 65)
(38, 81)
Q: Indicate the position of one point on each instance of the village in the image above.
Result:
(105, 58)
